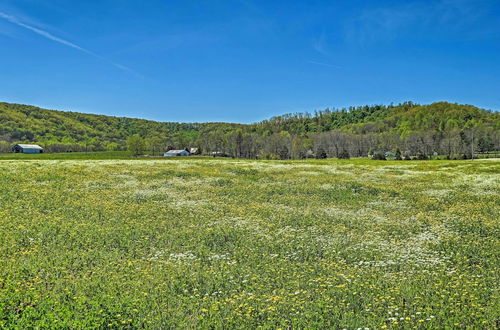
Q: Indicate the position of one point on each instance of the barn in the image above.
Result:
(176, 153)
(27, 149)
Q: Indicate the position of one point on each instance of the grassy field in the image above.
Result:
(100, 155)
(213, 243)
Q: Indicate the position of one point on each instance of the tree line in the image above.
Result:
(412, 130)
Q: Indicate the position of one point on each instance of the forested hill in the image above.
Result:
(403, 118)
(25, 123)
(355, 129)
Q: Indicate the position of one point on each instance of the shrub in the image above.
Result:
(398, 155)
(344, 155)
(379, 156)
(269, 157)
(321, 153)
(422, 156)
(5, 146)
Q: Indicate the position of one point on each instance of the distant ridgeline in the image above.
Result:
(410, 129)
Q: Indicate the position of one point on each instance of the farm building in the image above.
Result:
(176, 153)
(390, 154)
(27, 149)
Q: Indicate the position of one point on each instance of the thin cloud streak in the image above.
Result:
(50, 36)
(325, 64)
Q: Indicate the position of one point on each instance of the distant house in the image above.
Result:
(27, 149)
(176, 153)
(390, 154)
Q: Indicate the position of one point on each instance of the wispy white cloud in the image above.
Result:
(325, 64)
(430, 18)
(47, 35)
(320, 44)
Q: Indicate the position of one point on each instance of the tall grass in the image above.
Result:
(212, 243)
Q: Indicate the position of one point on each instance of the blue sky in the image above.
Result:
(246, 60)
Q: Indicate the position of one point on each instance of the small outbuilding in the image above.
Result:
(176, 153)
(390, 154)
(27, 149)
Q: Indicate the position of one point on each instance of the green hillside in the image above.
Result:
(403, 118)
(25, 123)
(287, 136)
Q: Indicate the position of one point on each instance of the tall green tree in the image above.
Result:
(136, 144)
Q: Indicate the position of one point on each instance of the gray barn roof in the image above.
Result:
(176, 151)
(29, 146)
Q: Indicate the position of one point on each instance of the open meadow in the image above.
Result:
(213, 243)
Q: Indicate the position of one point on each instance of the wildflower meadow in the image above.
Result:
(222, 243)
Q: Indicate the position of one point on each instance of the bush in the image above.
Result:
(112, 146)
(422, 156)
(371, 152)
(269, 157)
(321, 153)
(398, 155)
(344, 155)
(379, 156)
(5, 146)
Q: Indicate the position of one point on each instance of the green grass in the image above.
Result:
(221, 243)
(70, 155)
(95, 155)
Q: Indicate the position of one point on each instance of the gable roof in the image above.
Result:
(29, 146)
(176, 151)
